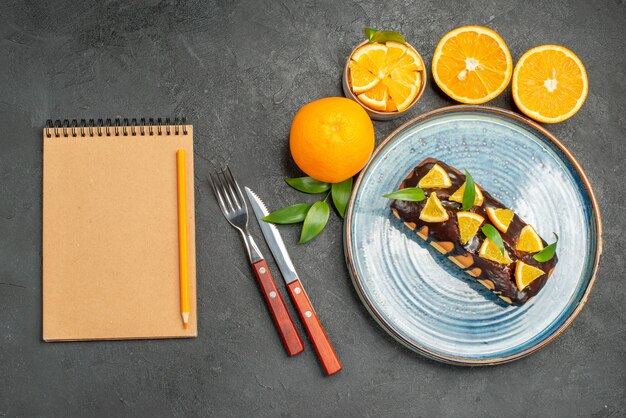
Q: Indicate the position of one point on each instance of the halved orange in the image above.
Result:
(434, 211)
(436, 178)
(472, 64)
(529, 241)
(500, 218)
(549, 83)
(525, 274)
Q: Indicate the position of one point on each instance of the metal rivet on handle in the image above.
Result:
(297, 290)
(262, 270)
(272, 294)
(308, 314)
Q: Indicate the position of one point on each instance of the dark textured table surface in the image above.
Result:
(239, 71)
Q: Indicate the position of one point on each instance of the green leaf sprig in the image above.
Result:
(308, 185)
(547, 253)
(315, 221)
(374, 36)
(313, 217)
(341, 194)
(289, 215)
(408, 194)
(494, 236)
(469, 193)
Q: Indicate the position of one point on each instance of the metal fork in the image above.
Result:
(233, 205)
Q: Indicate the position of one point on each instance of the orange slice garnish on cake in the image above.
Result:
(525, 274)
(469, 222)
(436, 178)
(490, 251)
(434, 211)
(500, 218)
(529, 241)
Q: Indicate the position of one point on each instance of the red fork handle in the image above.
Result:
(325, 352)
(282, 319)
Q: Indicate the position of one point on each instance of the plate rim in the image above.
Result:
(389, 328)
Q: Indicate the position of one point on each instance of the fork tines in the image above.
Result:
(228, 193)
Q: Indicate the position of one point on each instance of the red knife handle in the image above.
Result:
(325, 352)
(282, 319)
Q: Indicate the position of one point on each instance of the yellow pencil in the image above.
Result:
(182, 236)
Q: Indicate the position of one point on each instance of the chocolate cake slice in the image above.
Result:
(445, 237)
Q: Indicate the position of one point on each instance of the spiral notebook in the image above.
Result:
(110, 237)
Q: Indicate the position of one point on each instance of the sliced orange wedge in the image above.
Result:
(500, 218)
(436, 178)
(402, 94)
(469, 222)
(472, 64)
(525, 274)
(433, 210)
(490, 251)
(549, 83)
(361, 79)
(529, 241)
(372, 57)
(397, 65)
(376, 97)
(458, 195)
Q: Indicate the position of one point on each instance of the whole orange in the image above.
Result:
(331, 139)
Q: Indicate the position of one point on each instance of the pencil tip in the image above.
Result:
(186, 325)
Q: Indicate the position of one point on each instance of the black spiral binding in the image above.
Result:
(99, 127)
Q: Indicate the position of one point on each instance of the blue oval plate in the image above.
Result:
(423, 300)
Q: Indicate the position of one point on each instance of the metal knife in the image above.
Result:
(325, 352)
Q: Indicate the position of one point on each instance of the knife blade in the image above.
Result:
(323, 348)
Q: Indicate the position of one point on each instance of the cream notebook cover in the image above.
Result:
(110, 231)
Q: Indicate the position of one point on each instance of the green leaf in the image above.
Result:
(410, 194)
(492, 233)
(308, 185)
(369, 33)
(374, 36)
(289, 215)
(547, 253)
(469, 193)
(315, 221)
(341, 194)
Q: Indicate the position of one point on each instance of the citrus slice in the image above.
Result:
(490, 251)
(361, 79)
(397, 65)
(401, 93)
(433, 210)
(408, 77)
(372, 57)
(410, 61)
(469, 222)
(529, 241)
(549, 83)
(436, 178)
(395, 50)
(500, 218)
(458, 195)
(472, 64)
(376, 97)
(525, 274)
